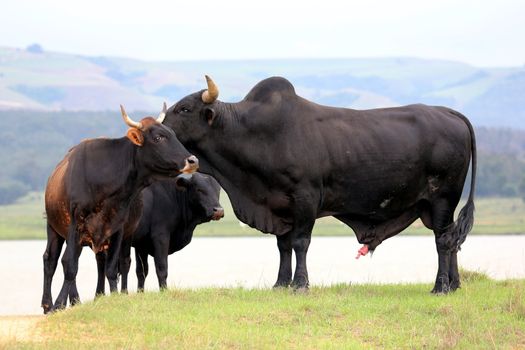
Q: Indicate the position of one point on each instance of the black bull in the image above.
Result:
(285, 161)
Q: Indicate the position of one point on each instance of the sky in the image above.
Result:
(482, 33)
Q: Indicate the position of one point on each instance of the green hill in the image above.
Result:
(56, 81)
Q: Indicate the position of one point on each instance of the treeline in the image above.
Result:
(32, 143)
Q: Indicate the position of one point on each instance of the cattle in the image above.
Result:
(88, 196)
(171, 210)
(285, 161)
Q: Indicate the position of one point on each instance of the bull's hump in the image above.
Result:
(266, 89)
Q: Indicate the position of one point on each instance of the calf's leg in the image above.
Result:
(141, 258)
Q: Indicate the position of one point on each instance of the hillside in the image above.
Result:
(43, 80)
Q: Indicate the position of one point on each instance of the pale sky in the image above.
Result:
(482, 33)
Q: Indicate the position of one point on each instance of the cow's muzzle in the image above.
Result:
(191, 165)
(218, 213)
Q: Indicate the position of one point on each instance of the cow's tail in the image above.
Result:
(465, 220)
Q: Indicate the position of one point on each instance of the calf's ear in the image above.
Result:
(135, 136)
(182, 182)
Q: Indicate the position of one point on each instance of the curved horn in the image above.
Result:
(212, 93)
(162, 114)
(128, 120)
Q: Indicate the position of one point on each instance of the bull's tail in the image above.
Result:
(465, 220)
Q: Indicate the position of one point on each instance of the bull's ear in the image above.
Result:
(182, 182)
(210, 115)
(135, 136)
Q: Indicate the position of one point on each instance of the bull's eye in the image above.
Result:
(184, 110)
(158, 138)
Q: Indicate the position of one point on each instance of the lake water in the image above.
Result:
(253, 263)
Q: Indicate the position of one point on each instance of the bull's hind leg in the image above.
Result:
(453, 273)
(442, 221)
(284, 278)
(51, 255)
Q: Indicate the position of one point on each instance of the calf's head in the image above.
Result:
(159, 150)
(203, 195)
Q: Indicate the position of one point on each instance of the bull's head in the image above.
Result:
(194, 116)
(159, 150)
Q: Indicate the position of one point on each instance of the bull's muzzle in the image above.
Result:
(191, 165)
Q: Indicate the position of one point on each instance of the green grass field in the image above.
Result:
(25, 220)
(483, 314)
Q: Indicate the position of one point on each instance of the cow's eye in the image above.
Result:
(158, 138)
(184, 110)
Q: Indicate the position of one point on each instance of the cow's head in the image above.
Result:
(158, 149)
(195, 115)
(203, 195)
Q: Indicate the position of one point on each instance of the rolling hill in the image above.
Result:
(49, 81)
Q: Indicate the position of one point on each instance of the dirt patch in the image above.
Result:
(20, 328)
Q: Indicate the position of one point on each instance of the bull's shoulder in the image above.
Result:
(268, 89)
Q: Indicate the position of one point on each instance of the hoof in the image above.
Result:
(301, 290)
(442, 290)
(281, 285)
(454, 285)
(47, 308)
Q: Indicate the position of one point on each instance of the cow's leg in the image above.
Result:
(112, 260)
(51, 255)
(125, 264)
(101, 274)
(442, 219)
(74, 298)
(284, 243)
(70, 265)
(141, 261)
(304, 219)
(160, 255)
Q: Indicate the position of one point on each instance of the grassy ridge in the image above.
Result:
(24, 220)
(483, 314)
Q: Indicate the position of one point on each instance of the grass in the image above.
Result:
(483, 314)
(24, 220)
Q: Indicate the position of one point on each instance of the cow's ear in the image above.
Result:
(135, 136)
(210, 115)
(182, 182)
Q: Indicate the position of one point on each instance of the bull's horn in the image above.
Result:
(162, 114)
(212, 93)
(128, 120)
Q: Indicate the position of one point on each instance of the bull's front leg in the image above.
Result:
(304, 219)
(284, 278)
(112, 260)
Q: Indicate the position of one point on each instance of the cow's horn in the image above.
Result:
(162, 114)
(128, 120)
(212, 93)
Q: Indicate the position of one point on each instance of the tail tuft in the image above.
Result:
(464, 223)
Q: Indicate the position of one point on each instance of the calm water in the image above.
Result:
(253, 262)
